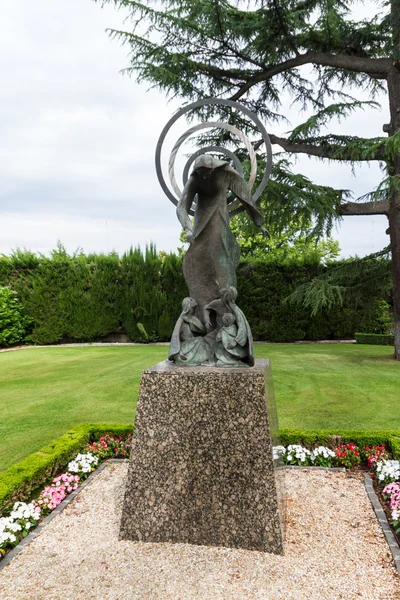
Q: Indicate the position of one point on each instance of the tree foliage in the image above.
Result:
(317, 53)
(283, 245)
(358, 280)
(207, 48)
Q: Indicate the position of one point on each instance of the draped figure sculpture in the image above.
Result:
(209, 266)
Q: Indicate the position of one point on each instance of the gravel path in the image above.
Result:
(334, 550)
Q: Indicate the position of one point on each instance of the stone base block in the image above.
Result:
(202, 469)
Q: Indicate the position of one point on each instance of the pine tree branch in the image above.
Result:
(223, 41)
(375, 67)
(332, 152)
(380, 207)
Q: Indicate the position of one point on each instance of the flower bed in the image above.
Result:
(25, 516)
(375, 458)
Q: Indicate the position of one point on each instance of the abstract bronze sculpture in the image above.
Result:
(212, 330)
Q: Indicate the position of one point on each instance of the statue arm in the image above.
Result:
(239, 187)
(196, 325)
(184, 205)
(228, 339)
(213, 305)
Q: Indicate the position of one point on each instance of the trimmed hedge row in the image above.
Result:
(85, 298)
(22, 480)
(381, 339)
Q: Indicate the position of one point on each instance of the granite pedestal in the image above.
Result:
(202, 469)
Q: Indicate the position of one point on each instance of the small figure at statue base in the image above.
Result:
(224, 340)
(227, 351)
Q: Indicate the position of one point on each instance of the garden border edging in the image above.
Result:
(383, 522)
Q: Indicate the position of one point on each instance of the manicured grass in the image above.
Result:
(46, 391)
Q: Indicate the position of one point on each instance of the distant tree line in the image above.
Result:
(83, 298)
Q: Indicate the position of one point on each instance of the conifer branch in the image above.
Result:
(381, 207)
(331, 152)
(374, 67)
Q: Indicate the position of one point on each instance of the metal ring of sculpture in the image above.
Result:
(208, 125)
(220, 102)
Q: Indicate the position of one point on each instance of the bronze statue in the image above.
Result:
(212, 330)
(210, 264)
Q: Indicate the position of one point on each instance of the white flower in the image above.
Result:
(300, 454)
(388, 470)
(321, 451)
(73, 467)
(83, 463)
(278, 451)
(22, 510)
(4, 537)
(18, 520)
(4, 522)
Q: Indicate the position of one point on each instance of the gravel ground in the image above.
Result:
(334, 550)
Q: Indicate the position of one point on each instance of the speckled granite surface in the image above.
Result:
(202, 470)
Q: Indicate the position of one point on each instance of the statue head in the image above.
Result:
(229, 294)
(205, 164)
(228, 319)
(188, 304)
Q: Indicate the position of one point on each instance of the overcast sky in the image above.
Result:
(78, 140)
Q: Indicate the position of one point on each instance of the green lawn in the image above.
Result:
(46, 391)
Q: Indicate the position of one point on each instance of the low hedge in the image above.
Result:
(381, 339)
(22, 480)
(333, 438)
(395, 446)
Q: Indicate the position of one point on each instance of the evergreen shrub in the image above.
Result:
(263, 287)
(333, 438)
(381, 339)
(13, 323)
(84, 298)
